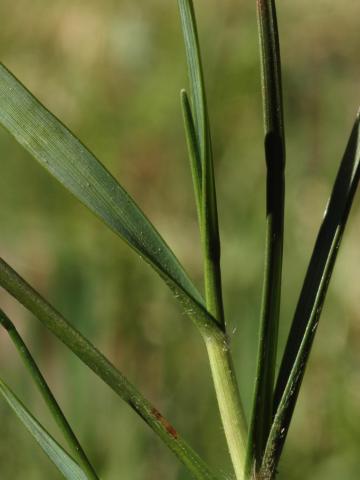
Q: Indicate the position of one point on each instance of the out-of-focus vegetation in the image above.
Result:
(112, 71)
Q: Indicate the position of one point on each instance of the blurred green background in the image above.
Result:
(112, 71)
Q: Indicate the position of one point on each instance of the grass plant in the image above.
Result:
(255, 445)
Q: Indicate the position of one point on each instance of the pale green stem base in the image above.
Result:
(231, 410)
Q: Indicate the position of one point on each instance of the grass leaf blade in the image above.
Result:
(312, 297)
(335, 217)
(283, 415)
(331, 231)
(55, 410)
(275, 191)
(73, 165)
(53, 450)
(103, 368)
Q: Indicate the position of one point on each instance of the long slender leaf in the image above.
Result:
(328, 243)
(55, 410)
(53, 450)
(209, 217)
(275, 192)
(335, 215)
(73, 165)
(103, 368)
(283, 415)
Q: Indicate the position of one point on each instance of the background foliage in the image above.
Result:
(112, 71)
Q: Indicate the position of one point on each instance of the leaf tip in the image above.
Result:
(5, 321)
(184, 97)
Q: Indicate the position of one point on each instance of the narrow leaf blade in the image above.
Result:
(54, 408)
(73, 165)
(53, 450)
(328, 241)
(335, 215)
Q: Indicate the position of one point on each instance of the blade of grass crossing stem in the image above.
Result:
(275, 193)
(53, 450)
(103, 368)
(193, 151)
(322, 259)
(55, 410)
(209, 218)
(340, 201)
(227, 392)
(73, 165)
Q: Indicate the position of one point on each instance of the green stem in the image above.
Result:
(230, 407)
(201, 156)
(213, 289)
(48, 397)
(222, 369)
(275, 192)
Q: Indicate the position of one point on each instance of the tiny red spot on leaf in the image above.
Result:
(166, 424)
